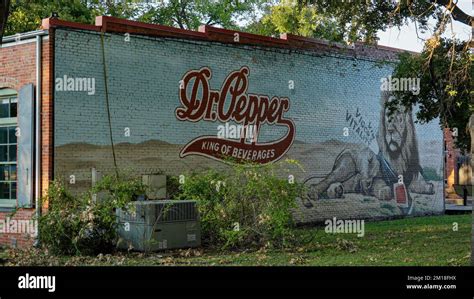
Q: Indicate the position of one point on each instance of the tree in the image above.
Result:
(304, 20)
(362, 19)
(189, 14)
(445, 72)
(186, 14)
(27, 15)
(126, 9)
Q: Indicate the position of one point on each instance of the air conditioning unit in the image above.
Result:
(159, 224)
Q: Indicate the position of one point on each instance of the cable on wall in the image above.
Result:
(107, 102)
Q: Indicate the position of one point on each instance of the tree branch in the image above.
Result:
(175, 9)
(456, 12)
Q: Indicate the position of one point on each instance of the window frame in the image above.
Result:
(9, 94)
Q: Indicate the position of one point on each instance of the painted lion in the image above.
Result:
(362, 171)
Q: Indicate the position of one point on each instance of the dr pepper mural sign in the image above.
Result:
(233, 104)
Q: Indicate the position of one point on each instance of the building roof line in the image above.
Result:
(23, 36)
(209, 33)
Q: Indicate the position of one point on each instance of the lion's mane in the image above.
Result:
(404, 161)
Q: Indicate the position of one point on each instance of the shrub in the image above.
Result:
(82, 224)
(249, 205)
(172, 186)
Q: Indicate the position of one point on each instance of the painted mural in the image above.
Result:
(232, 104)
(179, 106)
(387, 169)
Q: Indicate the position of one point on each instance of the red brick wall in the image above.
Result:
(47, 114)
(17, 68)
(17, 240)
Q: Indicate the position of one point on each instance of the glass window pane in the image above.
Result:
(5, 190)
(3, 153)
(12, 174)
(3, 134)
(3, 172)
(13, 109)
(11, 134)
(12, 153)
(5, 108)
(13, 191)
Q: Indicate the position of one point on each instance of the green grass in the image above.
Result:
(422, 241)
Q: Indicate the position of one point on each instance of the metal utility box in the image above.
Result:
(159, 225)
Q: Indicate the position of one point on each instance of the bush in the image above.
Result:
(172, 186)
(250, 205)
(82, 224)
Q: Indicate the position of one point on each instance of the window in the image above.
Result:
(8, 107)
(8, 147)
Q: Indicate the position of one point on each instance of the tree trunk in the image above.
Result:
(4, 4)
(471, 129)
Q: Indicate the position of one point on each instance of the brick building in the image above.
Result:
(458, 170)
(25, 69)
(150, 98)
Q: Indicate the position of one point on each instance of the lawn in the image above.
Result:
(422, 241)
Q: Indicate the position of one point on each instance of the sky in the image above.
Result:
(406, 37)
